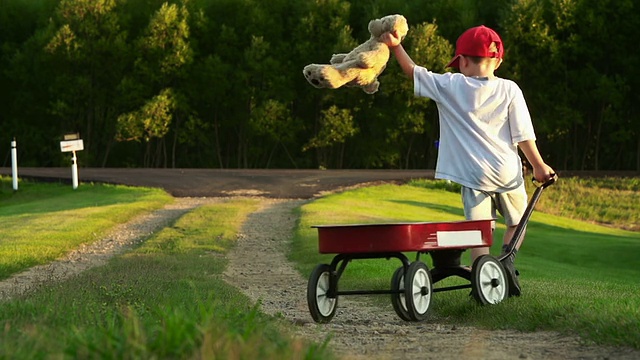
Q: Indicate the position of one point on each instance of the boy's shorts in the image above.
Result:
(481, 205)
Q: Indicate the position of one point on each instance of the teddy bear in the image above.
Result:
(363, 64)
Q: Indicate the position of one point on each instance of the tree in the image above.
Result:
(89, 51)
(568, 57)
(324, 30)
(273, 120)
(218, 83)
(408, 125)
(164, 55)
(24, 75)
(336, 126)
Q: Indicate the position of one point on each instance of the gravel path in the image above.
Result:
(258, 266)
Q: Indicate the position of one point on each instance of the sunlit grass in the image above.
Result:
(43, 222)
(165, 300)
(578, 277)
(606, 201)
(611, 201)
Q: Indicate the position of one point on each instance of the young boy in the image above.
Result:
(483, 121)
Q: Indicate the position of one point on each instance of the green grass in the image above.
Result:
(42, 222)
(166, 299)
(608, 201)
(577, 277)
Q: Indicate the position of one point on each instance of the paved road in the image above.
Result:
(293, 184)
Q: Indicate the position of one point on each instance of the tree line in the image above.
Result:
(219, 84)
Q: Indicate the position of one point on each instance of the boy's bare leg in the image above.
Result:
(508, 234)
(477, 252)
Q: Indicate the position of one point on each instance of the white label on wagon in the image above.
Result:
(459, 238)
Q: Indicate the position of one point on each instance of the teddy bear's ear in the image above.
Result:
(376, 27)
(400, 25)
(389, 23)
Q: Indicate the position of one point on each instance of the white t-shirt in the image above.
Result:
(481, 123)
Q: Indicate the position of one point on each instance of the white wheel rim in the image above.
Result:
(325, 304)
(421, 302)
(488, 272)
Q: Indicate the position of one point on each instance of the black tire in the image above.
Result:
(321, 307)
(489, 285)
(418, 289)
(397, 299)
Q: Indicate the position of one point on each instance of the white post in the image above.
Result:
(72, 143)
(74, 171)
(14, 164)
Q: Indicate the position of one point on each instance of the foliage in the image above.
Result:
(573, 58)
(217, 83)
(151, 121)
(87, 51)
(336, 126)
(606, 201)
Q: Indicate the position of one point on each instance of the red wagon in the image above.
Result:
(412, 284)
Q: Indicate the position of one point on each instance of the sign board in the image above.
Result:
(71, 145)
(75, 136)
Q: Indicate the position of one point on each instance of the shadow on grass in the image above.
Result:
(431, 206)
(39, 198)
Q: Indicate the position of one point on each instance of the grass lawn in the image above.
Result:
(42, 222)
(577, 277)
(166, 299)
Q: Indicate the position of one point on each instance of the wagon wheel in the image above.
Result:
(322, 307)
(418, 289)
(397, 296)
(488, 281)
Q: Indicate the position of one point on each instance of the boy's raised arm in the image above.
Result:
(406, 63)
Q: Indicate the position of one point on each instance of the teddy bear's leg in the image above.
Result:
(325, 76)
(312, 74)
(372, 87)
(315, 75)
(336, 77)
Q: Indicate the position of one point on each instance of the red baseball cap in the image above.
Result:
(478, 41)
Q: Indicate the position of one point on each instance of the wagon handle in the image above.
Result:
(517, 235)
(547, 183)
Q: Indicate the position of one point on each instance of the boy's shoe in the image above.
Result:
(512, 276)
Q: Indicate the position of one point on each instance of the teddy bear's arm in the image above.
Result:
(337, 58)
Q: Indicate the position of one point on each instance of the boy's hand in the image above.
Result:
(391, 39)
(543, 173)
